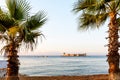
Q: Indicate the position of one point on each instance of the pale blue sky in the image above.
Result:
(61, 30)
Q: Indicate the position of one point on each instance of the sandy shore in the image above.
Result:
(85, 77)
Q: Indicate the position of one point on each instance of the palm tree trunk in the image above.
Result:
(113, 55)
(13, 64)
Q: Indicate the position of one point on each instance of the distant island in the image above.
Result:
(68, 54)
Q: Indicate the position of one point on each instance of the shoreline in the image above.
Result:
(83, 77)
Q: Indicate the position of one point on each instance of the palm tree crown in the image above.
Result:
(95, 12)
(18, 24)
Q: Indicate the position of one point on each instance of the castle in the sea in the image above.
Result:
(68, 54)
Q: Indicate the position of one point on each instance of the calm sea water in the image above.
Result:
(57, 65)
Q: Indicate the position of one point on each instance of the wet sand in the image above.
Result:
(84, 77)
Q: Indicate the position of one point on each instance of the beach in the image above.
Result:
(84, 77)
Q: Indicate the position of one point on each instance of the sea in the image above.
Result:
(59, 65)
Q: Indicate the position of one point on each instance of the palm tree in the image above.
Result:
(18, 28)
(94, 13)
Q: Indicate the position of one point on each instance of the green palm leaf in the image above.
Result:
(117, 5)
(118, 21)
(83, 4)
(92, 21)
(1, 12)
(92, 5)
(30, 39)
(36, 21)
(6, 21)
(2, 28)
(18, 9)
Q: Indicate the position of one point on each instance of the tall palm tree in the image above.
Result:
(94, 13)
(18, 28)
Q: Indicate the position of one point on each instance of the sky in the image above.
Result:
(61, 30)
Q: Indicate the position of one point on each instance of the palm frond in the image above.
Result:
(30, 39)
(5, 50)
(36, 21)
(93, 6)
(97, 7)
(89, 21)
(18, 27)
(100, 6)
(4, 38)
(83, 4)
(118, 22)
(101, 18)
(1, 11)
(117, 5)
(2, 28)
(19, 9)
(86, 20)
(6, 21)
(113, 5)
